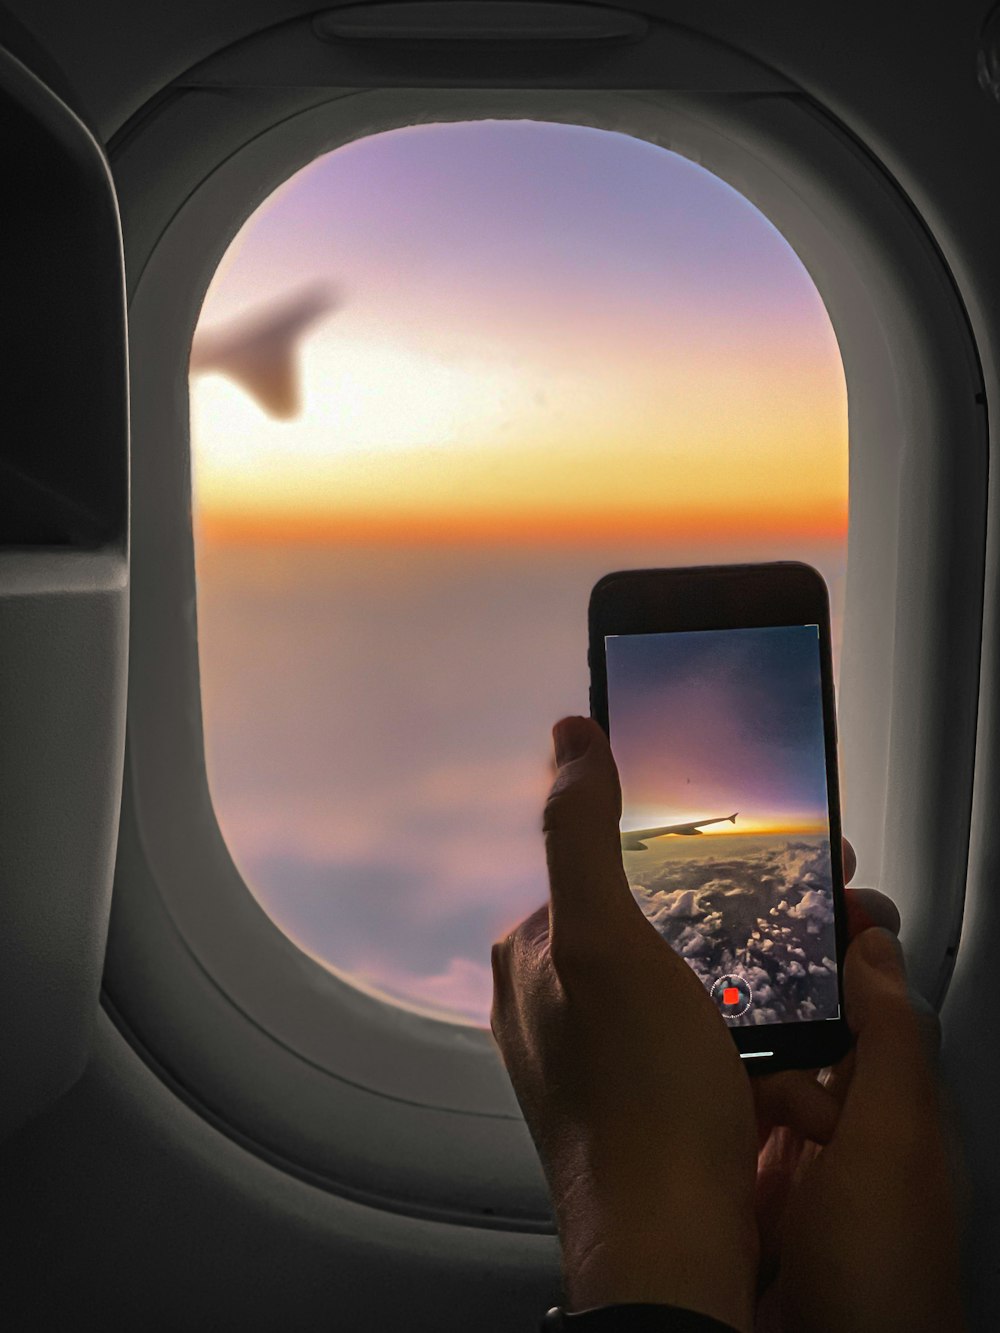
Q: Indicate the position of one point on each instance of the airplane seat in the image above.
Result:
(63, 586)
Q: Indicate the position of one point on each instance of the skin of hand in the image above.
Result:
(630, 1083)
(861, 1181)
(636, 1193)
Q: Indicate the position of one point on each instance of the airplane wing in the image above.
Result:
(634, 840)
(260, 354)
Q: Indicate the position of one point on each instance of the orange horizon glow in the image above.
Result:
(825, 523)
(755, 828)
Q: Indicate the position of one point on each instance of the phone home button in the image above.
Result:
(733, 996)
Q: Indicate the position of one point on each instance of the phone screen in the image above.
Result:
(719, 740)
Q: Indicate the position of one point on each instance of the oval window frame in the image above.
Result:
(366, 1098)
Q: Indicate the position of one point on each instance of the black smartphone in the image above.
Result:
(715, 687)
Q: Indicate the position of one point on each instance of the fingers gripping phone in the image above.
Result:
(715, 687)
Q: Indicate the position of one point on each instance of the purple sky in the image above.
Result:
(703, 724)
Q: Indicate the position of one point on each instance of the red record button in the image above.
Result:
(733, 996)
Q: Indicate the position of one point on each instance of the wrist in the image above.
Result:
(706, 1266)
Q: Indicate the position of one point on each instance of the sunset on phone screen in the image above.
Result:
(730, 720)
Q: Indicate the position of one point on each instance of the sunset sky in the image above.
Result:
(557, 351)
(545, 331)
(707, 723)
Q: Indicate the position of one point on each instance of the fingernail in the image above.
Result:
(881, 949)
(572, 739)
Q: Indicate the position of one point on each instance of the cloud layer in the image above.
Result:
(765, 915)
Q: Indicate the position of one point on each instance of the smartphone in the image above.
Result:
(715, 687)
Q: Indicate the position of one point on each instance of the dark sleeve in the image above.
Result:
(634, 1319)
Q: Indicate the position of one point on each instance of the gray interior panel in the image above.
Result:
(63, 587)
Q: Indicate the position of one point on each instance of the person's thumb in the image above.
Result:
(893, 1089)
(582, 837)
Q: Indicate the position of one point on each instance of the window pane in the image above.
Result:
(444, 379)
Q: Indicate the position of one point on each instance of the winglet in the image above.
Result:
(261, 354)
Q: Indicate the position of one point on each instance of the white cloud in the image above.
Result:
(464, 988)
(684, 903)
(816, 906)
(691, 942)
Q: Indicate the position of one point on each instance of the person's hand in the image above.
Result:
(630, 1082)
(861, 1233)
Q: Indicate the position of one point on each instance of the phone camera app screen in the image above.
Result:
(718, 736)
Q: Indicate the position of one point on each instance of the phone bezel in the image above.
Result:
(706, 597)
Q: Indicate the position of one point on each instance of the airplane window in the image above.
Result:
(445, 378)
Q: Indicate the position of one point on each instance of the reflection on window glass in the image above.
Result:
(444, 379)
